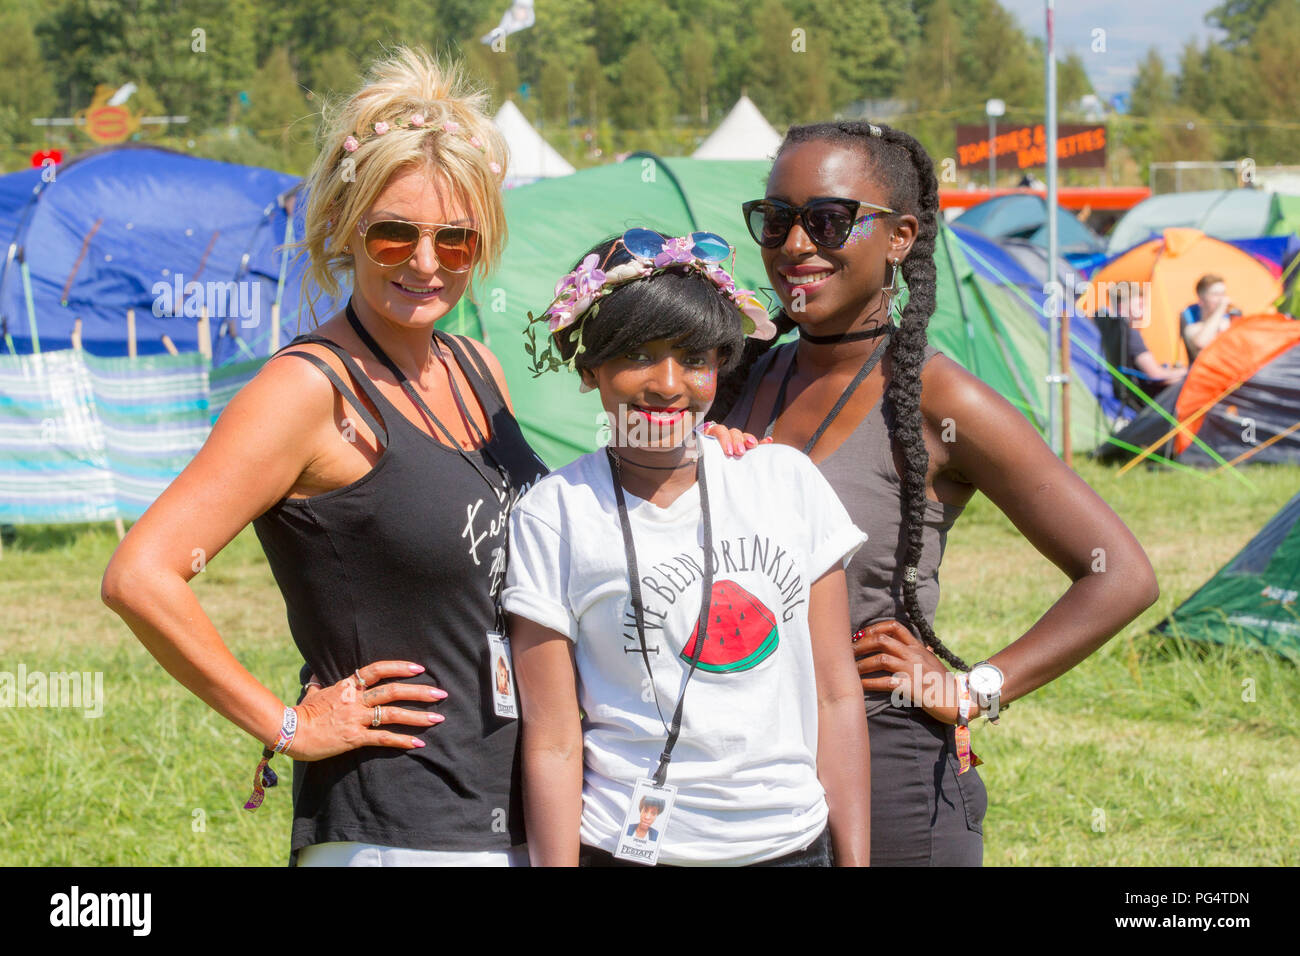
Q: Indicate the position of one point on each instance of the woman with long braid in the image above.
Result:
(906, 437)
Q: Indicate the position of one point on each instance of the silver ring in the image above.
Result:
(360, 680)
(375, 721)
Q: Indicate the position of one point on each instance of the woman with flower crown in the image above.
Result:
(700, 669)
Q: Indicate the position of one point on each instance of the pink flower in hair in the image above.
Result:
(381, 128)
(474, 141)
(495, 167)
(675, 251)
(451, 126)
(350, 144)
(587, 278)
(723, 280)
(417, 119)
(561, 316)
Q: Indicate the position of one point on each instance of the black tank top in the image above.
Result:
(406, 563)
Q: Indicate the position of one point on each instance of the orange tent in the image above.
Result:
(1172, 264)
(1227, 362)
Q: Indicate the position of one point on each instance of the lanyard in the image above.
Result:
(702, 628)
(415, 397)
(503, 490)
(872, 361)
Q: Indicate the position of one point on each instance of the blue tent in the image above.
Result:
(1024, 216)
(1001, 265)
(130, 228)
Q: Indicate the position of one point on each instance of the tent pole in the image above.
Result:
(76, 335)
(169, 345)
(131, 350)
(1053, 327)
(205, 333)
(31, 306)
(1067, 446)
(279, 281)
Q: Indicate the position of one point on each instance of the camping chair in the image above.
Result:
(1114, 346)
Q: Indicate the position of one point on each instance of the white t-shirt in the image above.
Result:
(745, 765)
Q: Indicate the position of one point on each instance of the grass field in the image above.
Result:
(1146, 754)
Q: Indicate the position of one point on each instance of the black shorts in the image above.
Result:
(922, 812)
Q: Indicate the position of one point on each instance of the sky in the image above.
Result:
(1131, 28)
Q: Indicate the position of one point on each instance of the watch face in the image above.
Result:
(985, 679)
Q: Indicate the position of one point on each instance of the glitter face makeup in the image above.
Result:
(704, 381)
(862, 230)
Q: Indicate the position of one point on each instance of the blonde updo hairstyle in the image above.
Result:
(343, 184)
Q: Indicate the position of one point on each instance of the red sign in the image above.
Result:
(1078, 145)
(109, 124)
(43, 157)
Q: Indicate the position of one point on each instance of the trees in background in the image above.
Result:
(613, 75)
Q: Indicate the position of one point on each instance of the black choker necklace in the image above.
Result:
(625, 461)
(873, 333)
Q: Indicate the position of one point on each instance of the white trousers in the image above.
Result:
(371, 854)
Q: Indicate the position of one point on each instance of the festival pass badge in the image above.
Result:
(646, 822)
(503, 676)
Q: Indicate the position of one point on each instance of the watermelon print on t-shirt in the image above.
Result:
(741, 634)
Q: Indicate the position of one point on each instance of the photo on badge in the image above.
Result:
(646, 822)
(503, 677)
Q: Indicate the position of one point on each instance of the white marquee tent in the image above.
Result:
(531, 157)
(743, 134)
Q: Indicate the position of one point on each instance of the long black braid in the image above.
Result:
(899, 161)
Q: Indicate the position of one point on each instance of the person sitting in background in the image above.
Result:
(1209, 316)
(1157, 376)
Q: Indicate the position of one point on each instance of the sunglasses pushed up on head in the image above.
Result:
(392, 242)
(827, 222)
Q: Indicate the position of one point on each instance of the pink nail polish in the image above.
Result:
(417, 669)
(419, 742)
(436, 718)
(437, 694)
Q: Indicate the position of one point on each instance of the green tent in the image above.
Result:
(983, 326)
(1253, 599)
(1284, 215)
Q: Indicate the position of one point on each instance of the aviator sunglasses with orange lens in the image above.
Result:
(827, 222)
(392, 242)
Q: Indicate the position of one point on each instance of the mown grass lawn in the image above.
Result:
(1149, 753)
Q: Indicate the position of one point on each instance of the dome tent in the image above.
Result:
(1173, 263)
(1251, 600)
(1239, 402)
(1222, 213)
(126, 229)
(1024, 216)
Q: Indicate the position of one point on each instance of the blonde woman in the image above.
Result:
(377, 461)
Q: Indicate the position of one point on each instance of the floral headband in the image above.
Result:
(416, 121)
(578, 294)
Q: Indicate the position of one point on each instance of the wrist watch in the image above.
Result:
(985, 681)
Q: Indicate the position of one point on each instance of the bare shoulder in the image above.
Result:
(949, 391)
(493, 364)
